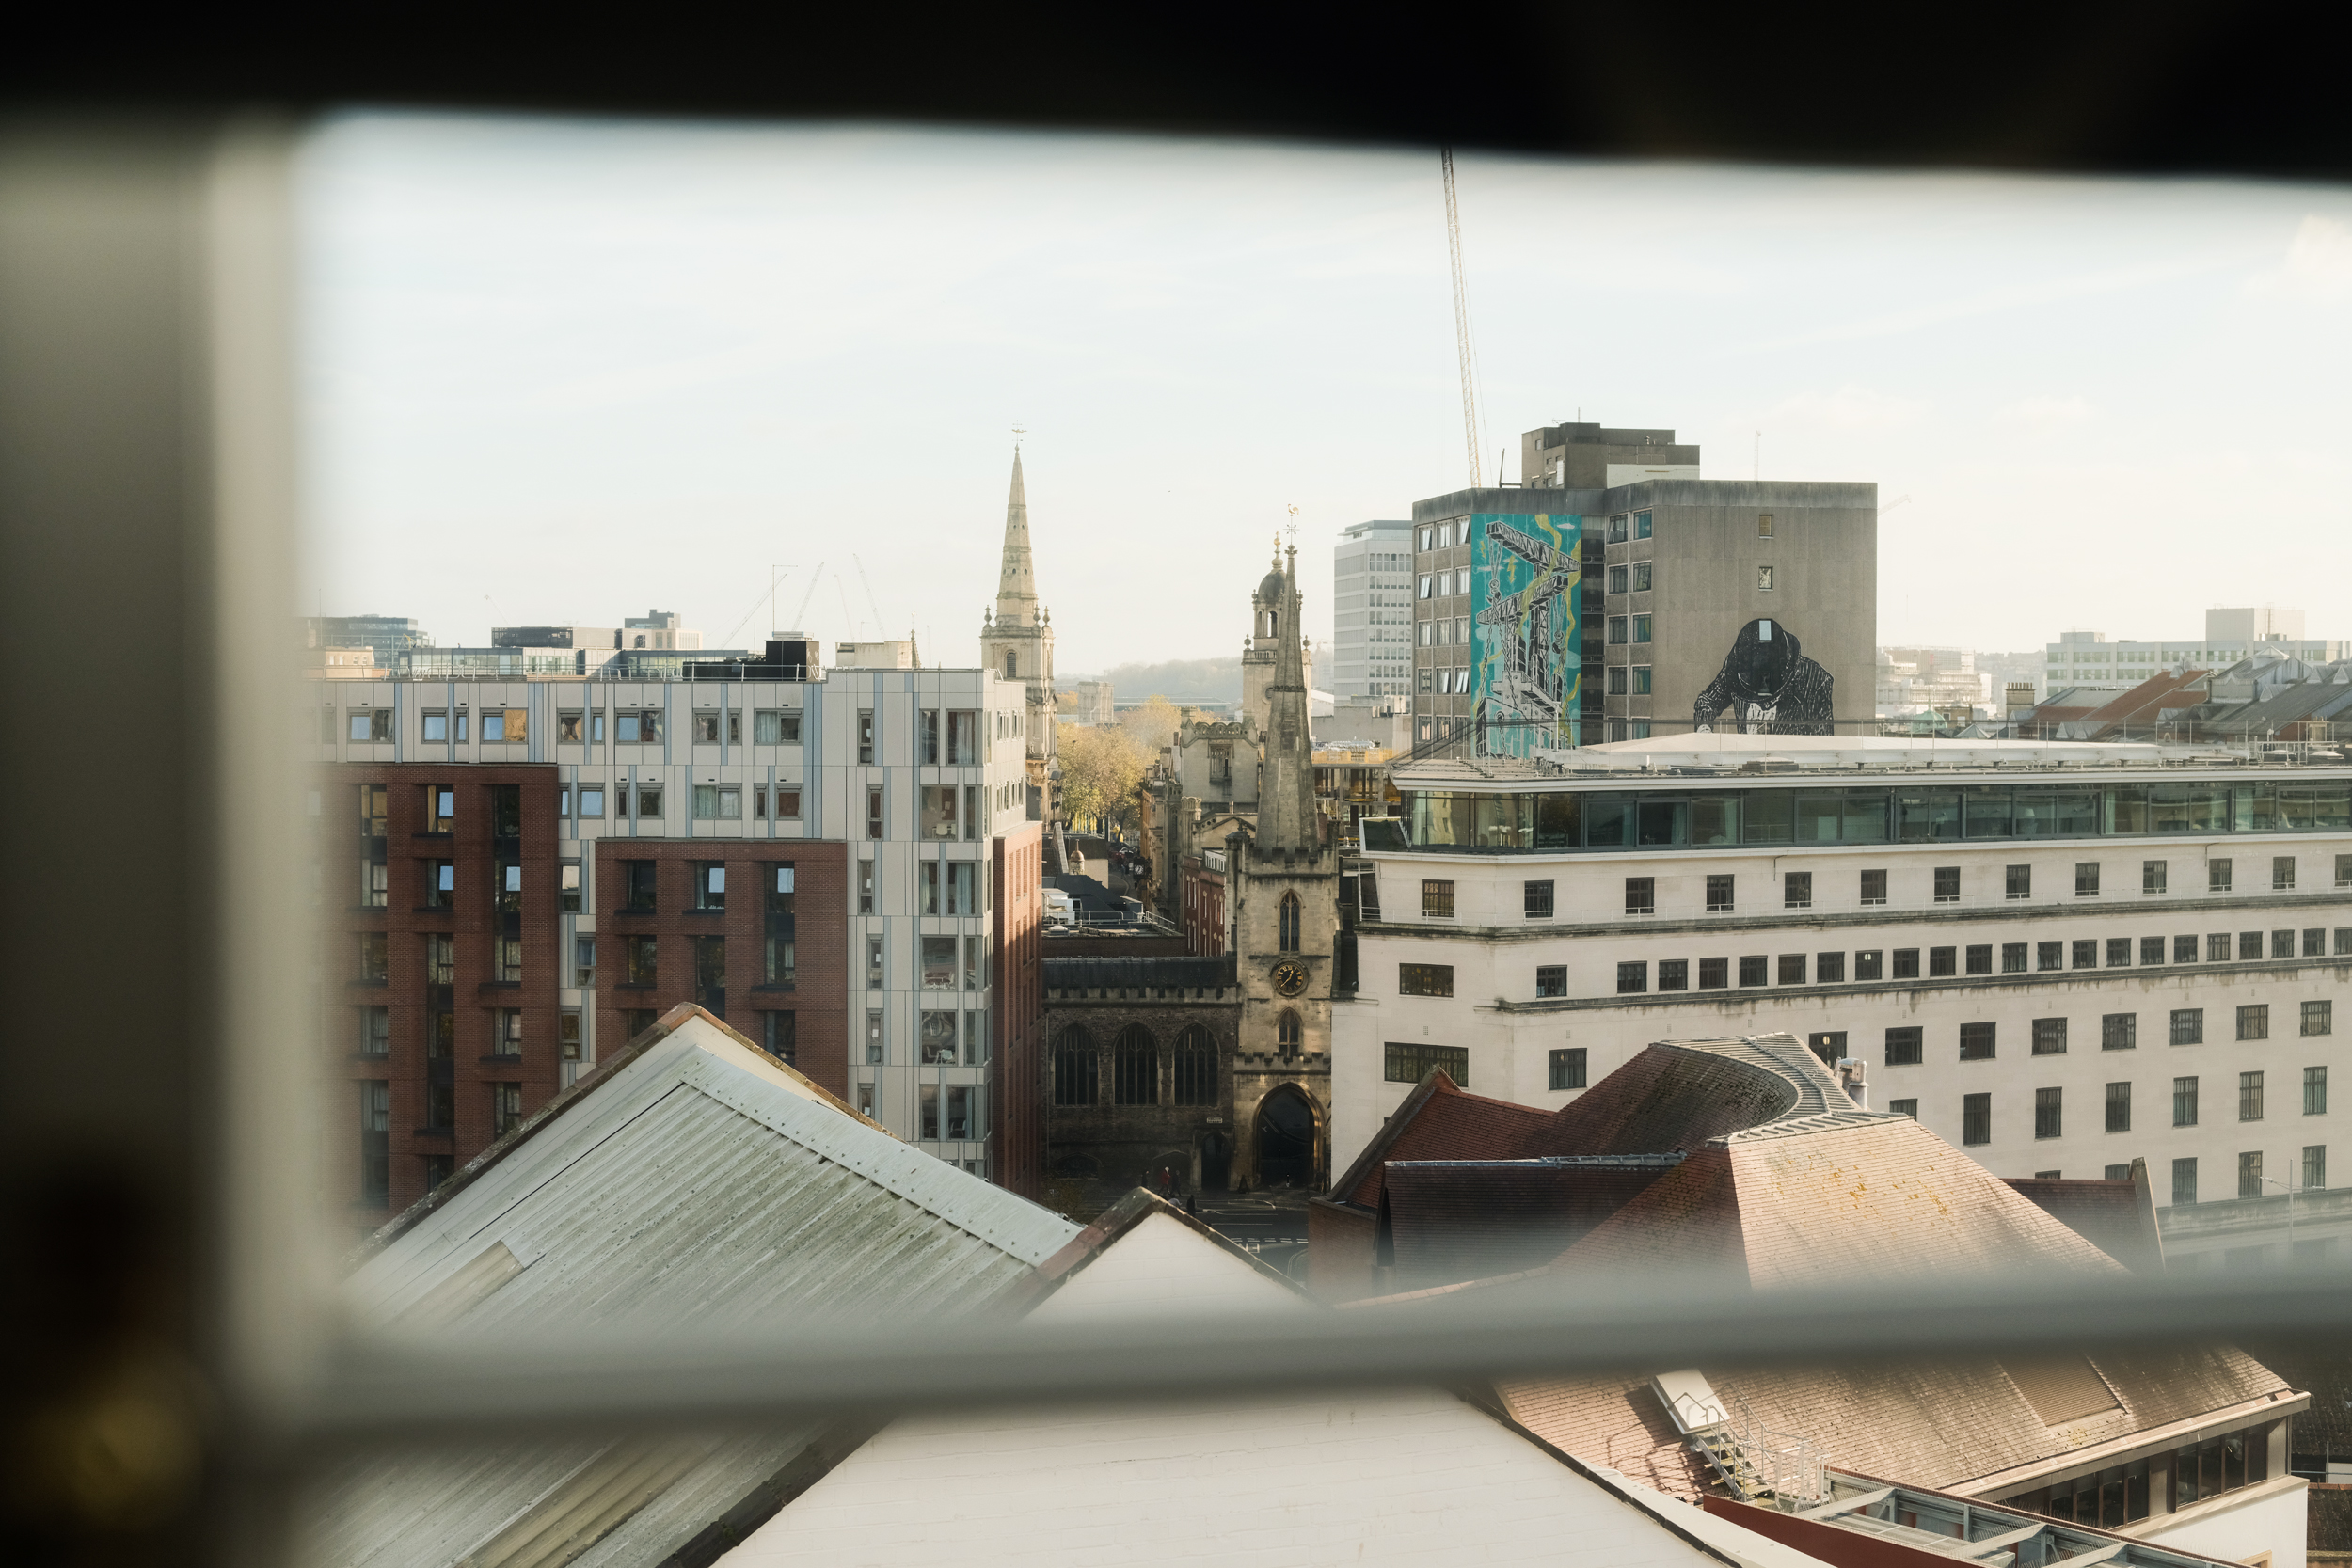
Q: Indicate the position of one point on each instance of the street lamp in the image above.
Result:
(2272, 1180)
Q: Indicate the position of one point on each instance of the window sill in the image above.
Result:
(706, 912)
(777, 985)
(499, 985)
(516, 1060)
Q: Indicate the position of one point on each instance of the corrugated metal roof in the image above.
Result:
(703, 1184)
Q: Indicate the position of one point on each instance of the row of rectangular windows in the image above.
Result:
(1869, 964)
(1906, 1044)
(648, 726)
(1713, 818)
(1830, 969)
(1538, 898)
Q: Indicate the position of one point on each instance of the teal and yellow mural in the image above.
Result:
(1524, 572)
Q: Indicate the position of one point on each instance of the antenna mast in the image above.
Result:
(1461, 312)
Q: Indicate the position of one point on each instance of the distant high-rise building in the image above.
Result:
(1372, 610)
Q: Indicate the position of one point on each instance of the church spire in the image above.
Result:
(1286, 811)
(1016, 583)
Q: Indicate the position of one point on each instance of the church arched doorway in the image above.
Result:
(1286, 1139)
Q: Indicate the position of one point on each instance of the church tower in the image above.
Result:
(1284, 872)
(1017, 638)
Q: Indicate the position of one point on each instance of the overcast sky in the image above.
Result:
(567, 372)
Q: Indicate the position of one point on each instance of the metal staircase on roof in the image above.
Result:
(1758, 1464)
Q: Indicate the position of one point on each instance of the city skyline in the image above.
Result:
(556, 368)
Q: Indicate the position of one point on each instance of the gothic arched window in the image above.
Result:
(1077, 1071)
(1136, 1068)
(1286, 1032)
(1195, 1068)
(1290, 922)
(1012, 665)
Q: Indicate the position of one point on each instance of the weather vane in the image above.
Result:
(1292, 528)
(1018, 431)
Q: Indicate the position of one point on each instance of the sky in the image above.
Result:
(566, 372)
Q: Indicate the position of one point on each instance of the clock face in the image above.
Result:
(1290, 976)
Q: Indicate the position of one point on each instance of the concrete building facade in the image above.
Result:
(2106, 957)
(895, 800)
(1723, 604)
(1372, 610)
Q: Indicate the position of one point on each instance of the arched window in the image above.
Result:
(1136, 1068)
(1195, 1072)
(1077, 1069)
(1290, 922)
(1286, 1032)
(1012, 665)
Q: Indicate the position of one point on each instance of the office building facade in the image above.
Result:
(1643, 607)
(1372, 610)
(2109, 957)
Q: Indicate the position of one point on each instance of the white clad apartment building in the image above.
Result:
(2059, 957)
(911, 780)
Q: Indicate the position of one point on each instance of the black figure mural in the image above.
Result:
(1766, 686)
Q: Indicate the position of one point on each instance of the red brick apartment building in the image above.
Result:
(755, 932)
(1017, 1119)
(449, 1025)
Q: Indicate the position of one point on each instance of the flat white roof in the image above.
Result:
(1713, 750)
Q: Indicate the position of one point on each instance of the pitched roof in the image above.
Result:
(2117, 1217)
(1805, 1191)
(1448, 1219)
(1673, 1094)
(1386, 1475)
(693, 1182)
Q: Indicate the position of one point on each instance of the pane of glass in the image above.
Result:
(1714, 820)
(1608, 821)
(1987, 810)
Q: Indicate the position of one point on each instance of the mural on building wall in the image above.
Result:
(1524, 572)
(1767, 687)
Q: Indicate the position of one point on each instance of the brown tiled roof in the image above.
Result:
(1672, 1096)
(1933, 1423)
(1447, 1220)
(1441, 1122)
(2117, 1217)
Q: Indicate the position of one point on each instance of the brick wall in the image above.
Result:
(1017, 1124)
(818, 995)
(474, 921)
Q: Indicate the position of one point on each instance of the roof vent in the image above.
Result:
(1850, 1070)
(1690, 1400)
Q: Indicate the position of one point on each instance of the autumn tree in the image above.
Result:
(1100, 764)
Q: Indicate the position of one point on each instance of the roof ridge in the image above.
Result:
(894, 1165)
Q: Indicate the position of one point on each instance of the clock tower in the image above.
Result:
(1283, 873)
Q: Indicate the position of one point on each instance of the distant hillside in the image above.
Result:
(1180, 680)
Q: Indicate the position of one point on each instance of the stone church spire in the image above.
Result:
(1286, 796)
(1016, 583)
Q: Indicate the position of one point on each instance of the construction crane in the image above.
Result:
(799, 616)
(1890, 506)
(1461, 313)
(881, 629)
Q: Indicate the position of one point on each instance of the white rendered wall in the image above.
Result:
(1495, 951)
(1411, 1477)
(2240, 1526)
